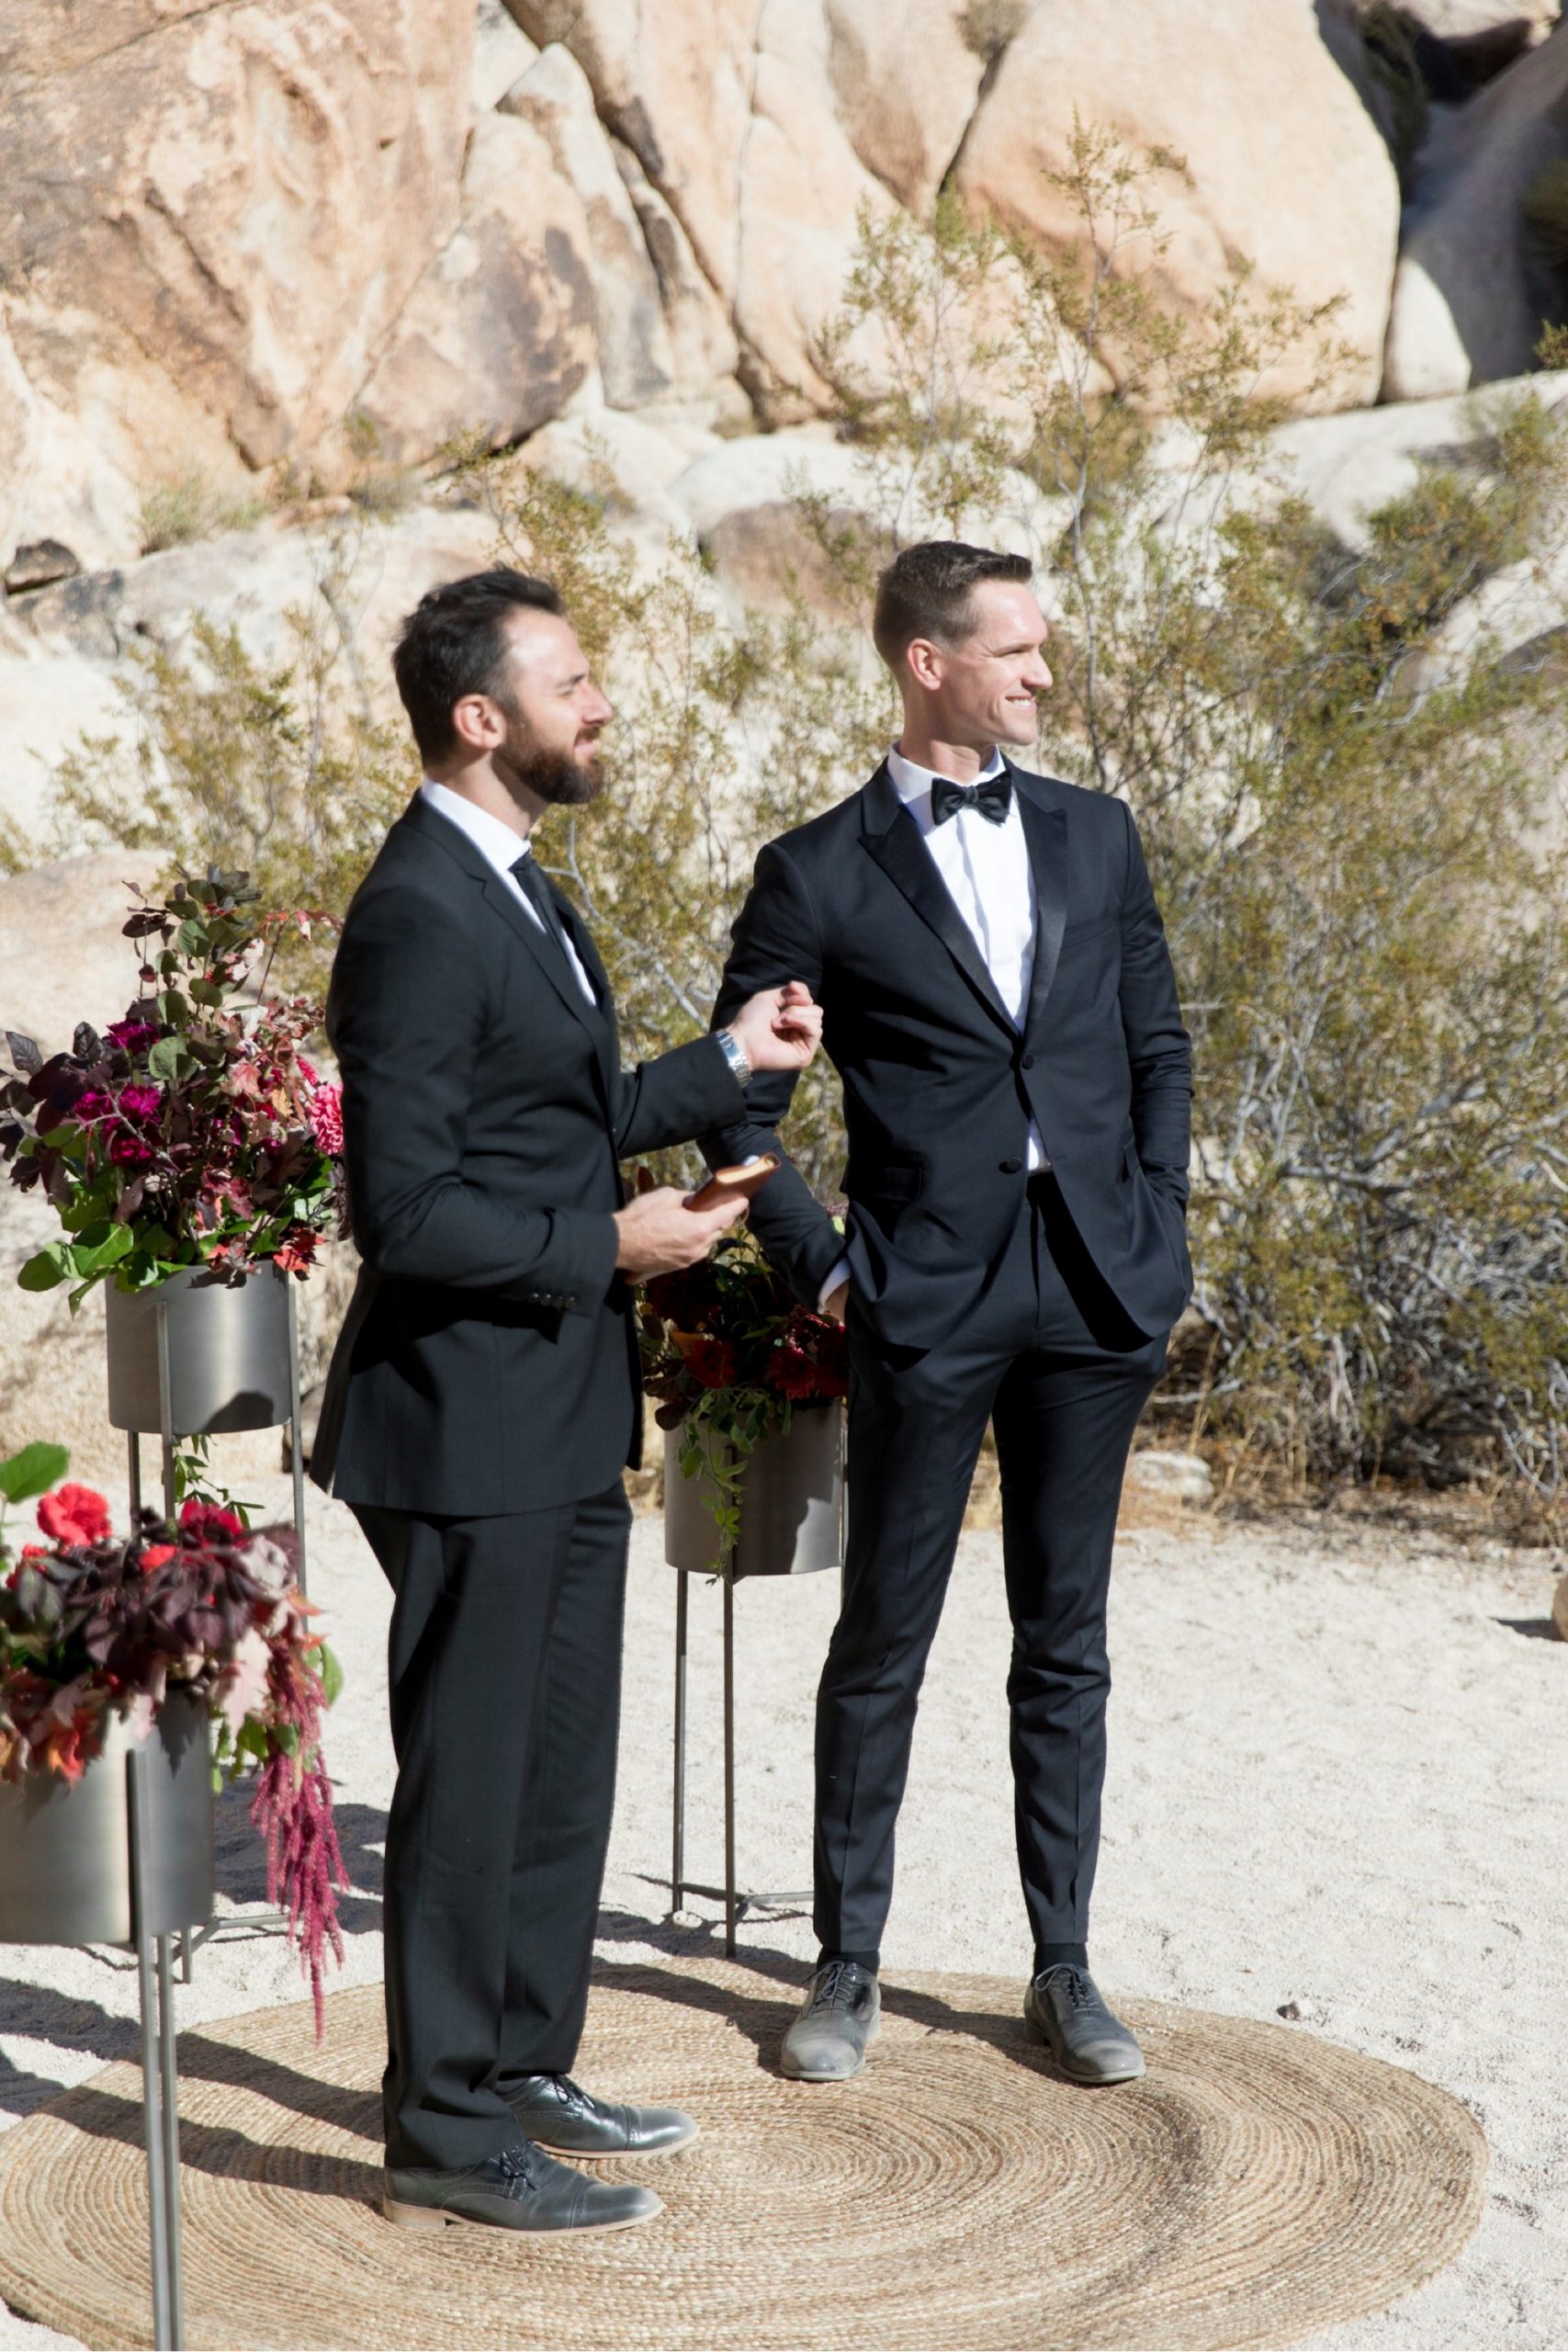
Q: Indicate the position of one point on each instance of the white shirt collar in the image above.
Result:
(913, 783)
(496, 842)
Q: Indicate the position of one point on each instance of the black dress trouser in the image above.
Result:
(1052, 1360)
(504, 1670)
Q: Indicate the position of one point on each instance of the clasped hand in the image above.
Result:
(659, 1232)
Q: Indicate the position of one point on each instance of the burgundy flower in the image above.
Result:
(204, 1522)
(711, 1362)
(685, 1299)
(141, 1103)
(90, 1104)
(130, 1151)
(74, 1514)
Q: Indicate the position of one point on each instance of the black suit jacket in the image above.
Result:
(489, 1361)
(940, 1086)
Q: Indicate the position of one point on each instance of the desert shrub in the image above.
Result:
(190, 506)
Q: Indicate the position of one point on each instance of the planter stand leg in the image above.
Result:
(296, 1449)
(166, 1408)
(160, 2116)
(729, 1902)
(678, 1832)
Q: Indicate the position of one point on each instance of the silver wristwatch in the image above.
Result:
(734, 1056)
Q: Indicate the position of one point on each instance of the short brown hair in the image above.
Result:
(453, 643)
(926, 590)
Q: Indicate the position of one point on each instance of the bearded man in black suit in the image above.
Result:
(999, 1004)
(485, 1396)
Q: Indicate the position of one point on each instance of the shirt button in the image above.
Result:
(1012, 1167)
(1028, 1061)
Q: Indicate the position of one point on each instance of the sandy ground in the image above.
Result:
(1336, 1790)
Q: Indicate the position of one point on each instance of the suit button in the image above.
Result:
(1028, 1061)
(1012, 1167)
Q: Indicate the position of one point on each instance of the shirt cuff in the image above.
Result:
(836, 1273)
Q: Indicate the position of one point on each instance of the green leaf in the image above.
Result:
(331, 1673)
(170, 1058)
(205, 992)
(32, 1472)
(48, 1268)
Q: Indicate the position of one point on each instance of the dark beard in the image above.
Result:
(551, 775)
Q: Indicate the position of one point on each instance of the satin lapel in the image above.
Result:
(1045, 832)
(904, 857)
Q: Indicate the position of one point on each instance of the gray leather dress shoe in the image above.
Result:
(1086, 2042)
(839, 2017)
(520, 2190)
(559, 2114)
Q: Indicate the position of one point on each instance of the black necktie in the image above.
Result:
(993, 798)
(538, 892)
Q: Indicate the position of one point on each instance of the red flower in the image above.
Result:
(685, 1299)
(326, 1118)
(90, 1104)
(792, 1373)
(202, 1522)
(141, 1103)
(132, 1034)
(711, 1362)
(74, 1515)
(155, 1554)
(128, 1151)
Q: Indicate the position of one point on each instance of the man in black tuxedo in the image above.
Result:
(1000, 1005)
(485, 1396)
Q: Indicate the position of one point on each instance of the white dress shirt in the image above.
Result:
(501, 848)
(989, 879)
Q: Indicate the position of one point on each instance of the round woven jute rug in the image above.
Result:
(959, 2196)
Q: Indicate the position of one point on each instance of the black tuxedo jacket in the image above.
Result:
(489, 1359)
(939, 1084)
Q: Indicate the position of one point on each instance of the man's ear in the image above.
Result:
(924, 663)
(477, 723)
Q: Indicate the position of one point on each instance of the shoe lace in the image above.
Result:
(1079, 1991)
(515, 2165)
(573, 2094)
(836, 1989)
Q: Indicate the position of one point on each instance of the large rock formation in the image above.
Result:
(252, 193)
(1284, 164)
(1476, 282)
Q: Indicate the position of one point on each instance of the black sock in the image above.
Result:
(1059, 1956)
(869, 1960)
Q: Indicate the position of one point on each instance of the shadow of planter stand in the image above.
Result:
(125, 1856)
(195, 1357)
(791, 1524)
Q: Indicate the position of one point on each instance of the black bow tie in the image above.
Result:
(993, 798)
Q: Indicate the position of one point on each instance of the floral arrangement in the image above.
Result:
(94, 1624)
(194, 1131)
(730, 1353)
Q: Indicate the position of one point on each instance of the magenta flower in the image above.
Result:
(131, 1035)
(128, 1151)
(90, 1104)
(140, 1102)
(326, 1119)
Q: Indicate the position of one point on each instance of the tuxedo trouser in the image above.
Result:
(503, 1671)
(1051, 1361)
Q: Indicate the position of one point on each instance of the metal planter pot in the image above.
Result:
(792, 1503)
(65, 1849)
(223, 1350)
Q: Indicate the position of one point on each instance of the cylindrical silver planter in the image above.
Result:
(790, 1503)
(228, 1352)
(65, 1848)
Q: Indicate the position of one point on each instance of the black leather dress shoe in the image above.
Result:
(562, 2116)
(1086, 2042)
(827, 2041)
(520, 2190)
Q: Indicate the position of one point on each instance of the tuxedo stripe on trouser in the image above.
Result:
(1053, 1362)
(505, 1666)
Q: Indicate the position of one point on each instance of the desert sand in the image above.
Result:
(1336, 1794)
